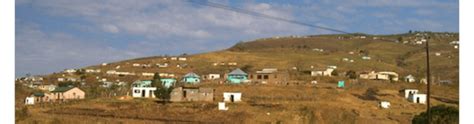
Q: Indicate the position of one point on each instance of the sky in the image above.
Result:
(53, 35)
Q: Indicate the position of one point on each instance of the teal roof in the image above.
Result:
(237, 72)
(38, 94)
(191, 74)
(62, 89)
(142, 83)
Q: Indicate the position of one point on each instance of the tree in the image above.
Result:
(440, 114)
(400, 39)
(334, 73)
(351, 74)
(161, 92)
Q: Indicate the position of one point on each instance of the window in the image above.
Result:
(265, 76)
(137, 91)
(259, 76)
(251, 76)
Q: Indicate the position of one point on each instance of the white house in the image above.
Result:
(111, 72)
(232, 96)
(174, 58)
(164, 65)
(61, 79)
(70, 70)
(366, 57)
(222, 106)
(385, 104)
(213, 76)
(30, 100)
(327, 72)
(409, 92)
(143, 89)
(92, 70)
(135, 65)
(418, 98)
(104, 64)
(148, 74)
(410, 79)
(232, 63)
(182, 58)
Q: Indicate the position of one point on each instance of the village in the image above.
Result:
(197, 79)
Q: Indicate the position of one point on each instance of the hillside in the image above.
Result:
(300, 102)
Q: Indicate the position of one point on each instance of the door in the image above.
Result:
(143, 93)
(417, 99)
(231, 98)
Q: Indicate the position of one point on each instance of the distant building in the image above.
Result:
(237, 76)
(232, 96)
(269, 75)
(182, 94)
(409, 92)
(418, 98)
(143, 89)
(191, 78)
(67, 93)
(148, 74)
(410, 79)
(384, 104)
(212, 76)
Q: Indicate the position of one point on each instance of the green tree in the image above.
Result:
(440, 114)
(161, 92)
(351, 74)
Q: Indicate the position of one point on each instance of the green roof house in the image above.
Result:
(142, 83)
(191, 78)
(168, 82)
(237, 76)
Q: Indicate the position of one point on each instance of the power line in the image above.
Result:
(253, 13)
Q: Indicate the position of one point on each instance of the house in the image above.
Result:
(37, 97)
(49, 87)
(269, 75)
(30, 100)
(92, 70)
(70, 70)
(61, 79)
(409, 92)
(379, 76)
(136, 65)
(340, 84)
(212, 76)
(66, 93)
(182, 94)
(366, 57)
(418, 98)
(148, 74)
(232, 96)
(423, 81)
(438, 54)
(143, 89)
(326, 72)
(385, 75)
(191, 78)
(232, 63)
(164, 65)
(104, 64)
(168, 82)
(237, 76)
(111, 72)
(174, 58)
(182, 58)
(384, 104)
(410, 79)
(222, 106)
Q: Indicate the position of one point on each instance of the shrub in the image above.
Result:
(439, 115)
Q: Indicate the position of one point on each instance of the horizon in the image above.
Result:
(55, 35)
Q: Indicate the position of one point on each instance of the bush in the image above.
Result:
(439, 115)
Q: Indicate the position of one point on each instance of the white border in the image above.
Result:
(466, 61)
(7, 63)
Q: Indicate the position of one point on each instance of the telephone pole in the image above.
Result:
(428, 79)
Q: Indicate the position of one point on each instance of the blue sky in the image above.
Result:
(52, 35)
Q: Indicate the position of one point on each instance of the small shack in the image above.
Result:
(232, 96)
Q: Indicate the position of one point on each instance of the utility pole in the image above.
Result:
(428, 78)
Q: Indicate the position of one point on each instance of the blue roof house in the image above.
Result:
(168, 82)
(191, 78)
(237, 76)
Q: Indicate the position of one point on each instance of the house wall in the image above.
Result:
(237, 78)
(192, 94)
(227, 96)
(272, 78)
(137, 92)
(408, 92)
